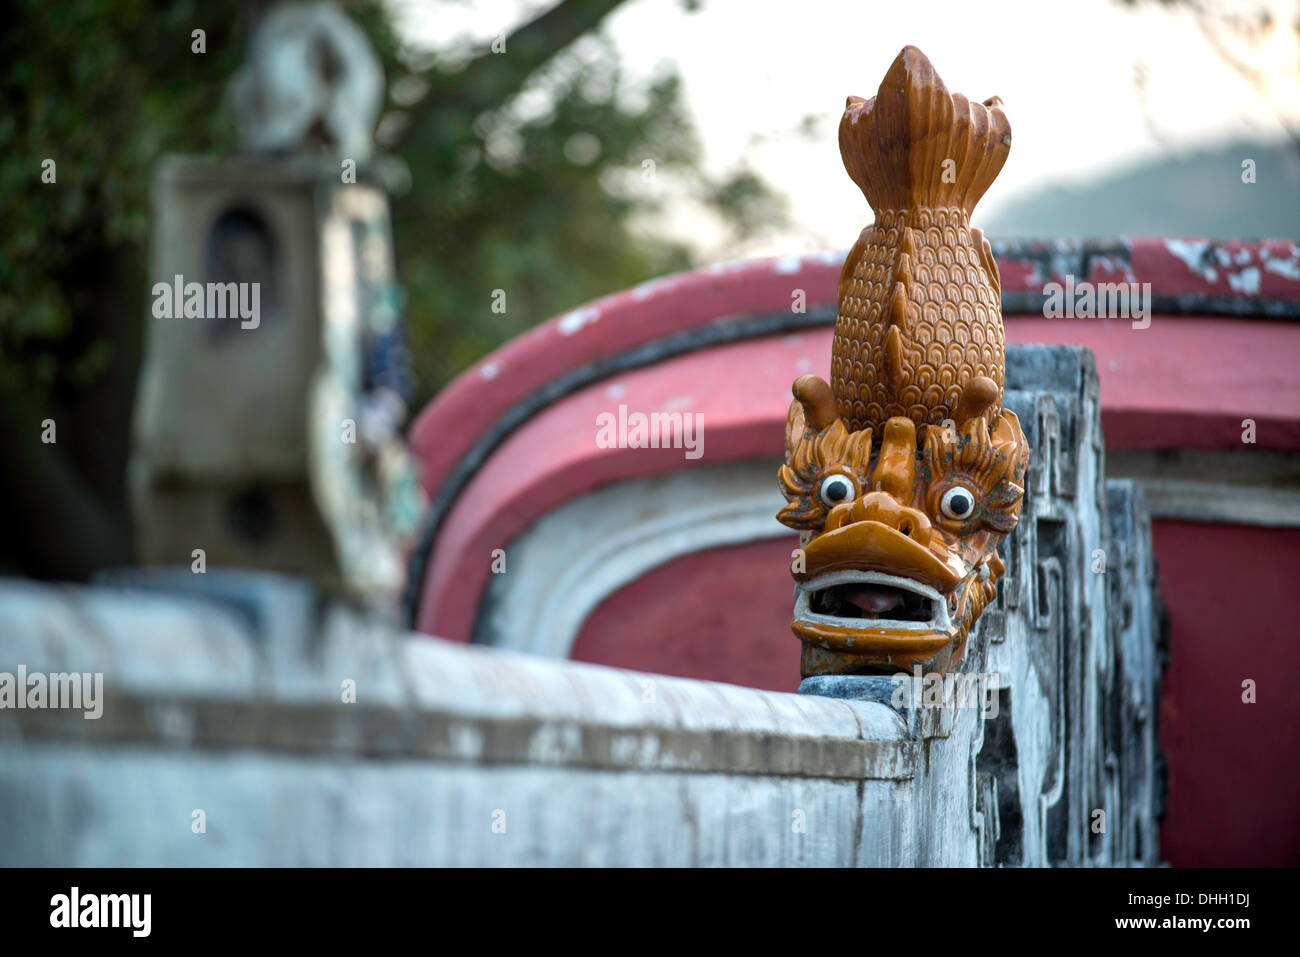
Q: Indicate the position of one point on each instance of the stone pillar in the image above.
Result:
(274, 382)
(1063, 668)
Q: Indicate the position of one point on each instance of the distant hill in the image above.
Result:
(1200, 194)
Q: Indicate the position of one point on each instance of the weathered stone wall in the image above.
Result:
(1078, 642)
(230, 695)
(450, 755)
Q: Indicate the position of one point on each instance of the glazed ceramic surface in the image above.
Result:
(904, 472)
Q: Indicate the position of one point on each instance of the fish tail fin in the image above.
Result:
(913, 144)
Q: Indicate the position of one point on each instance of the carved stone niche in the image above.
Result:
(273, 388)
(270, 393)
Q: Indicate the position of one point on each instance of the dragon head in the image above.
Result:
(905, 472)
(900, 536)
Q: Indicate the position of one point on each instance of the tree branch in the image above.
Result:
(492, 78)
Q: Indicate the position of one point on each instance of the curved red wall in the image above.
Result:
(1187, 382)
(1234, 768)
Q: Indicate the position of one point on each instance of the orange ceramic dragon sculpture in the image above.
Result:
(905, 472)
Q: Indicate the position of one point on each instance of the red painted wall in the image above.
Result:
(1234, 768)
(739, 624)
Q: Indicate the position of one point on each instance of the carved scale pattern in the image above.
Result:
(919, 300)
(952, 329)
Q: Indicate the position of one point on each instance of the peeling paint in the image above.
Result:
(573, 321)
(1246, 281)
(652, 287)
(1192, 253)
(555, 743)
(736, 265)
(1287, 268)
(1112, 264)
(466, 740)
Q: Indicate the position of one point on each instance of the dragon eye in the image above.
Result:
(836, 488)
(957, 503)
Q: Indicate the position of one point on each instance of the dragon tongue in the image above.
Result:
(874, 599)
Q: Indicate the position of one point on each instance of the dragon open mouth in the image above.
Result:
(852, 600)
(866, 599)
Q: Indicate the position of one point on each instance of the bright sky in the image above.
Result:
(1065, 73)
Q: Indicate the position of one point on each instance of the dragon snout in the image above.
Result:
(888, 511)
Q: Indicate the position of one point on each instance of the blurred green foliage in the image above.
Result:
(103, 90)
(527, 174)
(548, 194)
(539, 208)
(534, 185)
